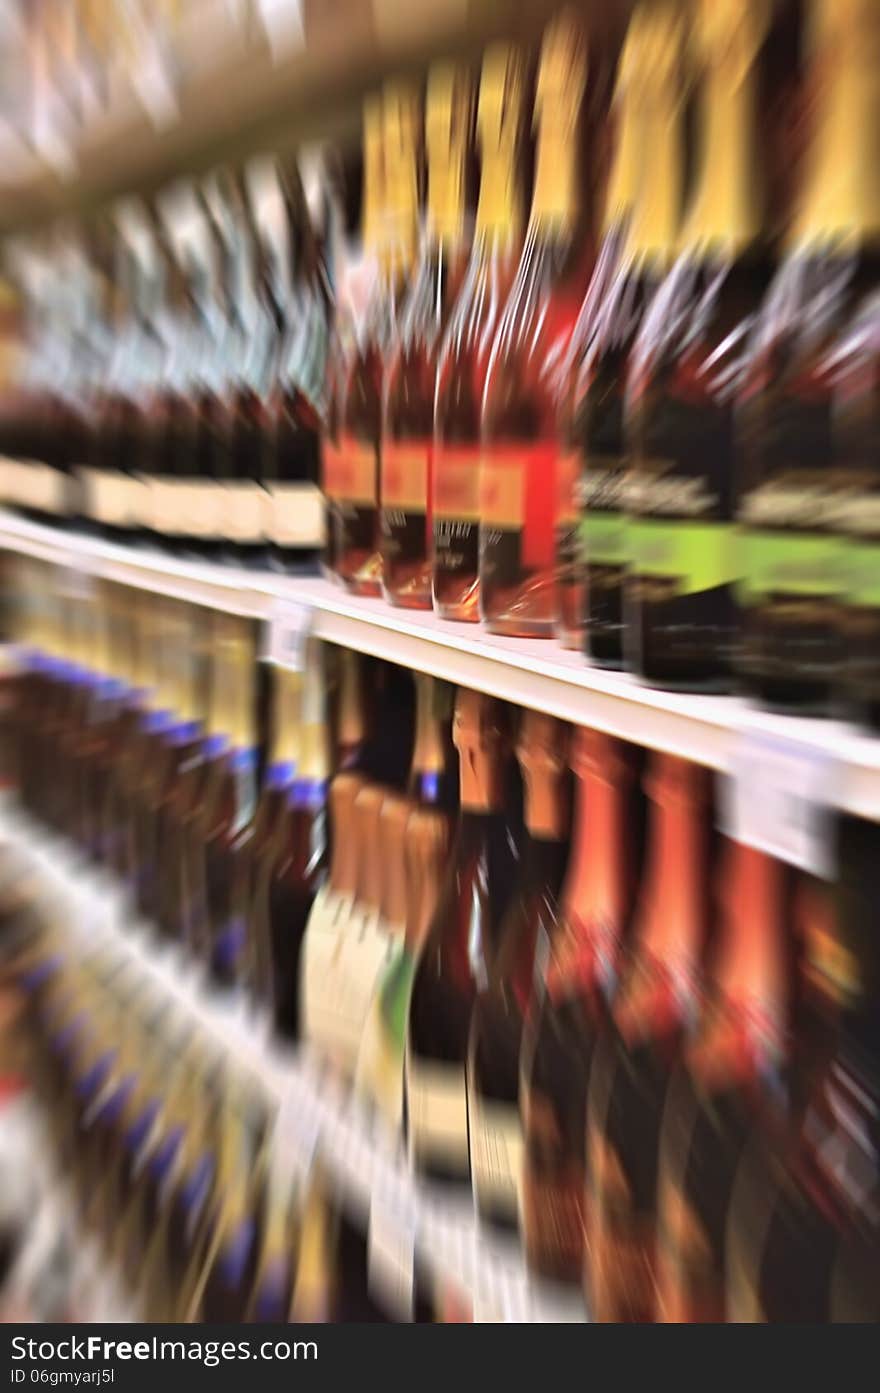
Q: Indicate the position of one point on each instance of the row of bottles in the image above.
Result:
(643, 420)
(645, 1048)
(173, 390)
(647, 424)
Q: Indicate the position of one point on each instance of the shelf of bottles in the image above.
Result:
(614, 461)
(718, 732)
(497, 973)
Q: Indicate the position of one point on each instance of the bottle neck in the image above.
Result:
(656, 214)
(842, 191)
(596, 885)
(670, 925)
(285, 750)
(751, 963)
(725, 213)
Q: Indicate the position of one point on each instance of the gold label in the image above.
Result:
(501, 491)
(350, 472)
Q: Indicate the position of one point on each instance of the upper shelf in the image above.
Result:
(529, 672)
(243, 103)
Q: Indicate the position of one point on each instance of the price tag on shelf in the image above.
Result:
(288, 631)
(391, 1248)
(778, 797)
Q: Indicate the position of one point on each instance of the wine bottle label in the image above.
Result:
(456, 484)
(31, 484)
(676, 533)
(601, 496)
(406, 524)
(343, 953)
(351, 472)
(380, 1060)
(437, 1113)
(109, 497)
(496, 1146)
(518, 496)
(296, 515)
(244, 511)
(789, 546)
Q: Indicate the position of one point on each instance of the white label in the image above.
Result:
(436, 1100)
(289, 629)
(245, 512)
(778, 796)
(391, 1245)
(201, 507)
(496, 1142)
(107, 496)
(341, 967)
(296, 515)
(164, 508)
(379, 1074)
(35, 485)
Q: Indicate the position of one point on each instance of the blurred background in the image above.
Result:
(439, 660)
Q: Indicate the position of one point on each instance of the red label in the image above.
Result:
(519, 493)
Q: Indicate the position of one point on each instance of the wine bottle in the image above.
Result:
(463, 356)
(294, 862)
(653, 1008)
(351, 468)
(789, 479)
(734, 1070)
(174, 741)
(453, 960)
(227, 806)
(407, 441)
(576, 962)
(519, 465)
(855, 416)
(680, 412)
(296, 509)
(496, 1139)
(635, 259)
(412, 888)
(601, 342)
(225, 1283)
(802, 1235)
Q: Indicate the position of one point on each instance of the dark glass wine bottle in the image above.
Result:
(734, 1071)
(653, 1008)
(803, 1239)
(790, 479)
(454, 958)
(681, 615)
(493, 1073)
(576, 958)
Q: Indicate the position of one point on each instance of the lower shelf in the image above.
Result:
(316, 1115)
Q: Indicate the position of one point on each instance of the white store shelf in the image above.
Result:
(354, 1149)
(530, 672)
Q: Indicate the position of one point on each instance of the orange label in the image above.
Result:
(457, 484)
(405, 475)
(519, 493)
(350, 471)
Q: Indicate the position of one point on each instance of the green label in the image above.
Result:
(789, 563)
(699, 555)
(604, 538)
(861, 573)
